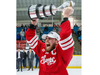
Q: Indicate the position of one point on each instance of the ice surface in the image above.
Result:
(36, 71)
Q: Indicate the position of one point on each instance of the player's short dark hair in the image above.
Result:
(29, 48)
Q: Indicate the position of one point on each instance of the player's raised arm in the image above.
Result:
(32, 38)
(66, 42)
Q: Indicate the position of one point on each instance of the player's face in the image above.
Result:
(30, 50)
(18, 50)
(50, 43)
(23, 50)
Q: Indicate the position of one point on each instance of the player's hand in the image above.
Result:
(34, 22)
(67, 11)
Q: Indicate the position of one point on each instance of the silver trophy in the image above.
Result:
(40, 11)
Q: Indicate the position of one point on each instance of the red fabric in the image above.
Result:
(55, 62)
(72, 31)
(21, 44)
(54, 25)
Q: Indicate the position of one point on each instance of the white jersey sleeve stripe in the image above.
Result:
(34, 45)
(68, 46)
(62, 45)
(65, 40)
(32, 39)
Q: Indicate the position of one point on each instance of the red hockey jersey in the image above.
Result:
(56, 61)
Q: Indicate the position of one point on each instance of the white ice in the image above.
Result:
(36, 71)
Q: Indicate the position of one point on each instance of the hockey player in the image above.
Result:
(57, 51)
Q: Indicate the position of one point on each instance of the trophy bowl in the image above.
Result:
(40, 11)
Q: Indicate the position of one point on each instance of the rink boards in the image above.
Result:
(74, 63)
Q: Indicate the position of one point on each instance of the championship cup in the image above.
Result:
(40, 11)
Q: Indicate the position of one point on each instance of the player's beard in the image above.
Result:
(51, 47)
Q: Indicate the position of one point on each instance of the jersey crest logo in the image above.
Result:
(43, 50)
(49, 61)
